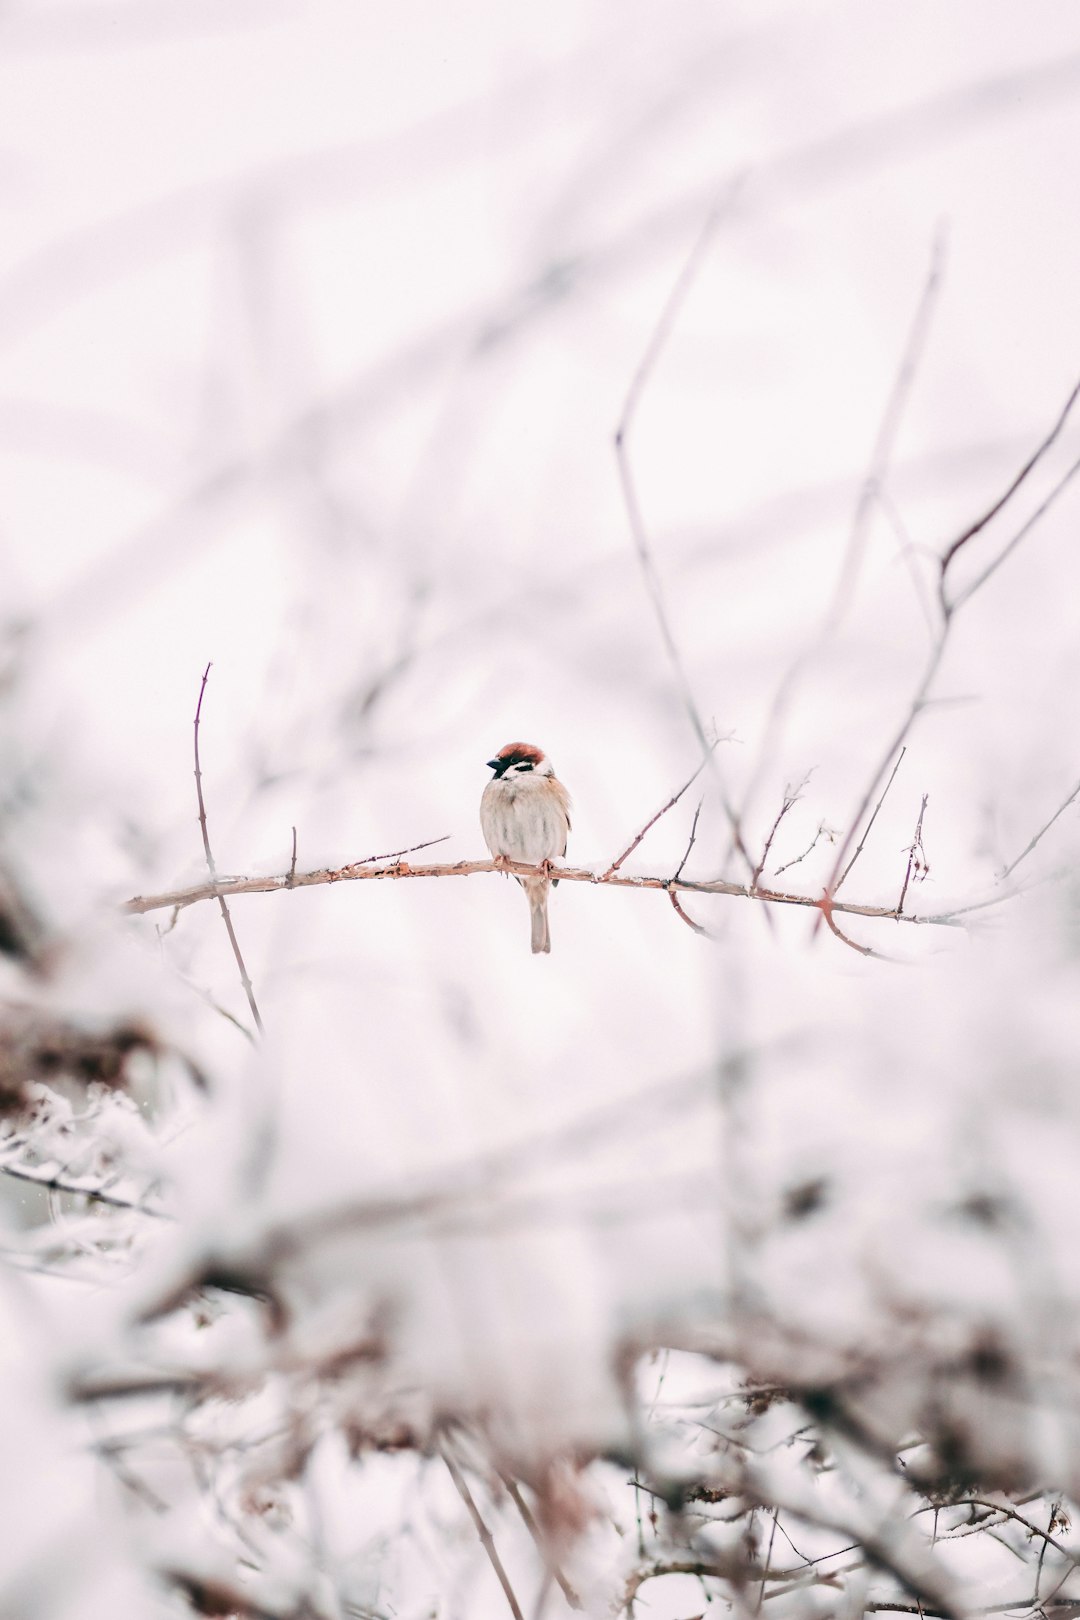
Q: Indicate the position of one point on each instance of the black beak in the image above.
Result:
(494, 764)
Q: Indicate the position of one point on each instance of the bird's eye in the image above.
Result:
(524, 765)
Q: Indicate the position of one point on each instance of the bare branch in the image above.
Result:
(822, 832)
(396, 854)
(484, 1533)
(358, 873)
(639, 381)
(635, 841)
(1021, 534)
(835, 887)
(680, 911)
(980, 523)
(292, 863)
(791, 796)
(212, 869)
(869, 495)
(827, 908)
(690, 845)
(710, 1569)
(1024, 853)
(916, 857)
(540, 1540)
(46, 1175)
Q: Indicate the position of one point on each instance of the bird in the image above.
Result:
(525, 816)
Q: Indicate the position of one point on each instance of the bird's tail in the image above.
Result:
(538, 915)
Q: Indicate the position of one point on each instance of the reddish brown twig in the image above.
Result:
(916, 858)
(396, 854)
(790, 797)
(690, 844)
(637, 839)
(681, 911)
(212, 869)
(827, 907)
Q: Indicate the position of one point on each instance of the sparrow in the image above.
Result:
(525, 816)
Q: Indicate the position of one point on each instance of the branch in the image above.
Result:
(703, 1569)
(791, 796)
(634, 842)
(484, 1533)
(680, 911)
(212, 869)
(57, 1181)
(835, 888)
(980, 523)
(540, 1541)
(869, 495)
(638, 383)
(693, 835)
(360, 873)
(1024, 853)
(916, 860)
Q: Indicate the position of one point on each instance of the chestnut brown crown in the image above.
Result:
(518, 758)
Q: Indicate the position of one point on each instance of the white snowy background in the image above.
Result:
(316, 323)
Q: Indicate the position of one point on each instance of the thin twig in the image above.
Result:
(484, 1533)
(292, 863)
(822, 832)
(827, 908)
(680, 911)
(870, 493)
(212, 869)
(888, 430)
(44, 1176)
(1021, 534)
(639, 381)
(637, 839)
(702, 1568)
(834, 888)
(916, 854)
(540, 1540)
(790, 797)
(1024, 853)
(768, 1559)
(690, 845)
(980, 523)
(396, 854)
